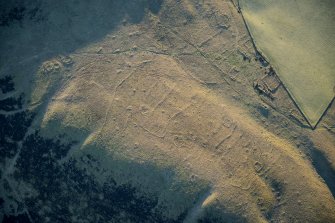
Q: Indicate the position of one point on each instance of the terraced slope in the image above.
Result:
(153, 119)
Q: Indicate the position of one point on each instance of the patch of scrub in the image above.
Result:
(298, 39)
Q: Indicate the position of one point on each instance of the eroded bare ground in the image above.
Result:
(172, 119)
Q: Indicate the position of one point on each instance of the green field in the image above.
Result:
(298, 39)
